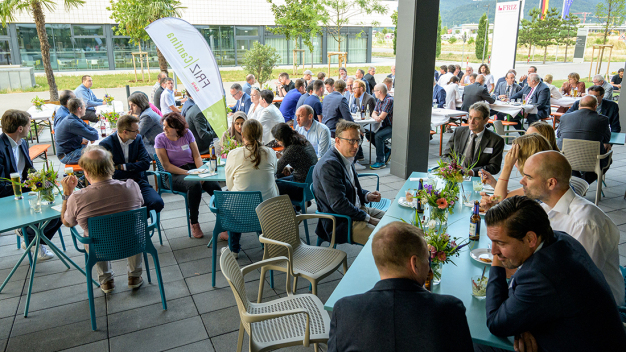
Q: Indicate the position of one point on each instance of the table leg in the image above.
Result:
(36, 134)
(441, 128)
(61, 254)
(32, 268)
(370, 144)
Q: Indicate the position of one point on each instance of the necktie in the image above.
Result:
(469, 151)
(508, 91)
(530, 94)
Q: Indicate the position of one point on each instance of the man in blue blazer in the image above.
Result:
(63, 111)
(439, 94)
(243, 99)
(14, 158)
(335, 107)
(338, 191)
(608, 108)
(537, 94)
(131, 159)
(557, 299)
(398, 314)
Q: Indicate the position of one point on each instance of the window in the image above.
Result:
(30, 50)
(317, 51)
(357, 48)
(91, 53)
(4, 30)
(5, 54)
(333, 45)
(221, 40)
(122, 49)
(88, 30)
(282, 47)
(247, 31)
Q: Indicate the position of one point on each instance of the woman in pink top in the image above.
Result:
(178, 152)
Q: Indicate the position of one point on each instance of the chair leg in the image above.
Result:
(27, 242)
(295, 283)
(147, 265)
(313, 288)
(306, 232)
(216, 231)
(19, 241)
(188, 223)
(261, 285)
(598, 191)
(158, 225)
(240, 337)
(345, 265)
(61, 238)
(316, 347)
(92, 309)
(319, 241)
(157, 268)
(272, 279)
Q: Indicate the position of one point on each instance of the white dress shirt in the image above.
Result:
(125, 147)
(254, 113)
(444, 79)
(589, 225)
(270, 117)
(19, 158)
(453, 96)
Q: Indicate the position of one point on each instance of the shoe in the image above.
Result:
(134, 282)
(108, 286)
(196, 231)
(377, 166)
(223, 236)
(387, 157)
(359, 157)
(24, 246)
(44, 253)
(19, 233)
(236, 255)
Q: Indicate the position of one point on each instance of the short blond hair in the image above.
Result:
(548, 78)
(97, 162)
(530, 144)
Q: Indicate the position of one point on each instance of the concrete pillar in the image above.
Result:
(415, 63)
(622, 108)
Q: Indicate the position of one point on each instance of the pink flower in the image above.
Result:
(442, 203)
(453, 243)
(442, 256)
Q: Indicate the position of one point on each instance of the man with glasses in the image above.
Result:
(338, 191)
(243, 99)
(131, 159)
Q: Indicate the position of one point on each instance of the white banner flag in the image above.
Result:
(186, 50)
(505, 29)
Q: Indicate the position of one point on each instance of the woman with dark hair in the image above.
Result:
(299, 154)
(149, 122)
(250, 168)
(178, 153)
(489, 82)
(234, 132)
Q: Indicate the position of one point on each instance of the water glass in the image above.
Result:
(34, 201)
(467, 198)
(479, 286)
(478, 185)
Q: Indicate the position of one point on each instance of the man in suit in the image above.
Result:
(158, 92)
(506, 88)
(369, 78)
(588, 125)
(243, 100)
(524, 79)
(335, 107)
(313, 100)
(558, 299)
(379, 319)
(439, 94)
(14, 158)
(361, 99)
(360, 76)
(392, 75)
(503, 79)
(537, 94)
(303, 97)
(338, 191)
(131, 159)
(63, 111)
(605, 107)
(598, 80)
(476, 92)
(483, 150)
(200, 128)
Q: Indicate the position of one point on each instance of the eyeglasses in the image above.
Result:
(131, 131)
(352, 141)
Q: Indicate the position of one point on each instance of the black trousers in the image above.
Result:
(91, 116)
(151, 199)
(49, 231)
(194, 191)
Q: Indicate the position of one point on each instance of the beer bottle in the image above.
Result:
(420, 206)
(213, 158)
(474, 231)
(362, 112)
(428, 284)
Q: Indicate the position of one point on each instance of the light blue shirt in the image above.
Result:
(167, 100)
(247, 88)
(88, 97)
(318, 135)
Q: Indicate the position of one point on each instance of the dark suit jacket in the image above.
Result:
(560, 297)
(540, 98)
(488, 161)
(399, 315)
(474, 93)
(200, 128)
(501, 89)
(609, 109)
(585, 124)
(246, 104)
(138, 158)
(369, 79)
(8, 164)
(336, 194)
(393, 83)
(503, 79)
(440, 95)
(335, 107)
(368, 101)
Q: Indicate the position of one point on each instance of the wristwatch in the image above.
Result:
(64, 197)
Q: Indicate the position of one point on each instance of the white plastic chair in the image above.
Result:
(585, 156)
(290, 321)
(281, 238)
(499, 127)
(579, 185)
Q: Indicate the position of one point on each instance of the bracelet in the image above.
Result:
(503, 179)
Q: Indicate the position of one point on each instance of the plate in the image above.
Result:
(482, 254)
(197, 171)
(403, 202)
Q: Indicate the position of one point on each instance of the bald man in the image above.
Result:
(380, 319)
(588, 125)
(546, 178)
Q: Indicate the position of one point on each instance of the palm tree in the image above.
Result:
(8, 9)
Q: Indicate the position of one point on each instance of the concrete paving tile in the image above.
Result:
(228, 342)
(192, 253)
(186, 242)
(618, 217)
(221, 321)
(60, 338)
(58, 297)
(5, 327)
(215, 299)
(200, 346)
(3, 344)
(162, 337)
(57, 316)
(98, 346)
(146, 317)
(9, 261)
(144, 296)
(62, 279)
(176, 232)
(8, 307)
(204, 266)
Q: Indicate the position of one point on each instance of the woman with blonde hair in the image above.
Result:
(546, 130)
(554, 91)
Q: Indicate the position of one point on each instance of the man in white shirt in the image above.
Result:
(168, 103)
(445, 76)
(270, 116)
(546, 178)
(316, 133)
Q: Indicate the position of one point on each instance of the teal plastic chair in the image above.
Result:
(384, 203)
(161, 173)
(158, 215)
(622, 309)
(319, 239)
(234, 212)
(118, 236)
(307, 196)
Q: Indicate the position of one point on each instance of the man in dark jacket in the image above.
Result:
(537, 94)
(200, 128)
(369, 78)
(335, 107)
(608, 108)
(380, 319)
(476, 92)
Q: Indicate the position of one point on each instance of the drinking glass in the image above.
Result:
(17, 189)
(524, 98)
(34, 201)
(479, 286)
(69, 171)
(478, 185)
(467, 198)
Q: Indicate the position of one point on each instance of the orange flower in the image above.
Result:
(442, 203)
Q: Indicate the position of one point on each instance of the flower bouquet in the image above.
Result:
(38, 103)
(441, 204)
(229, 144)
(42, 181)
(268, 87)
(112, 117)
(442, 249)
(108, 99)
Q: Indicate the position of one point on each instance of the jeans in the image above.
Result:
(233, 241)
(151, 199)
(49, 231)
(73, 156)
(194, 191)
(378, 140)
(91, 116)
(294, 192)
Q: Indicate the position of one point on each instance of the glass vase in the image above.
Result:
(437, 269)
(46, 196)
(439, 216)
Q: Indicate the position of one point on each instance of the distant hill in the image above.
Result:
(454, 12)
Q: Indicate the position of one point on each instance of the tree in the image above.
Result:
(341, 11)
(546, 32)
(568, 29)
(394, 19)
(613, 13)
(525, 35)
(452, 40)
(482, 39)
(8, 10)
(438, 50)
(298, 18)
(260, 61)
(133, 16)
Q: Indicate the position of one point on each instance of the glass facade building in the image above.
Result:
(76, 47)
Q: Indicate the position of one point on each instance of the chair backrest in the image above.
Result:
(119, 235)
(158, 163)
(579, 185)
(308, 195)
(278, 222)
(581, 154)
(236, 210)
(232, 273)
(497, 125)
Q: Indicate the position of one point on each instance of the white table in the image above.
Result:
(116, 107)
(513, 110)
(442, 116)
(42, 117)
(362, 122)
(565, 102)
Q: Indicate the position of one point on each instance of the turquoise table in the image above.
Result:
(221, 174)
(617, 138)
(17, 214)
(363, 275)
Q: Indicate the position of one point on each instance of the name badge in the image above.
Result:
(488, 151)
(185, 147)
